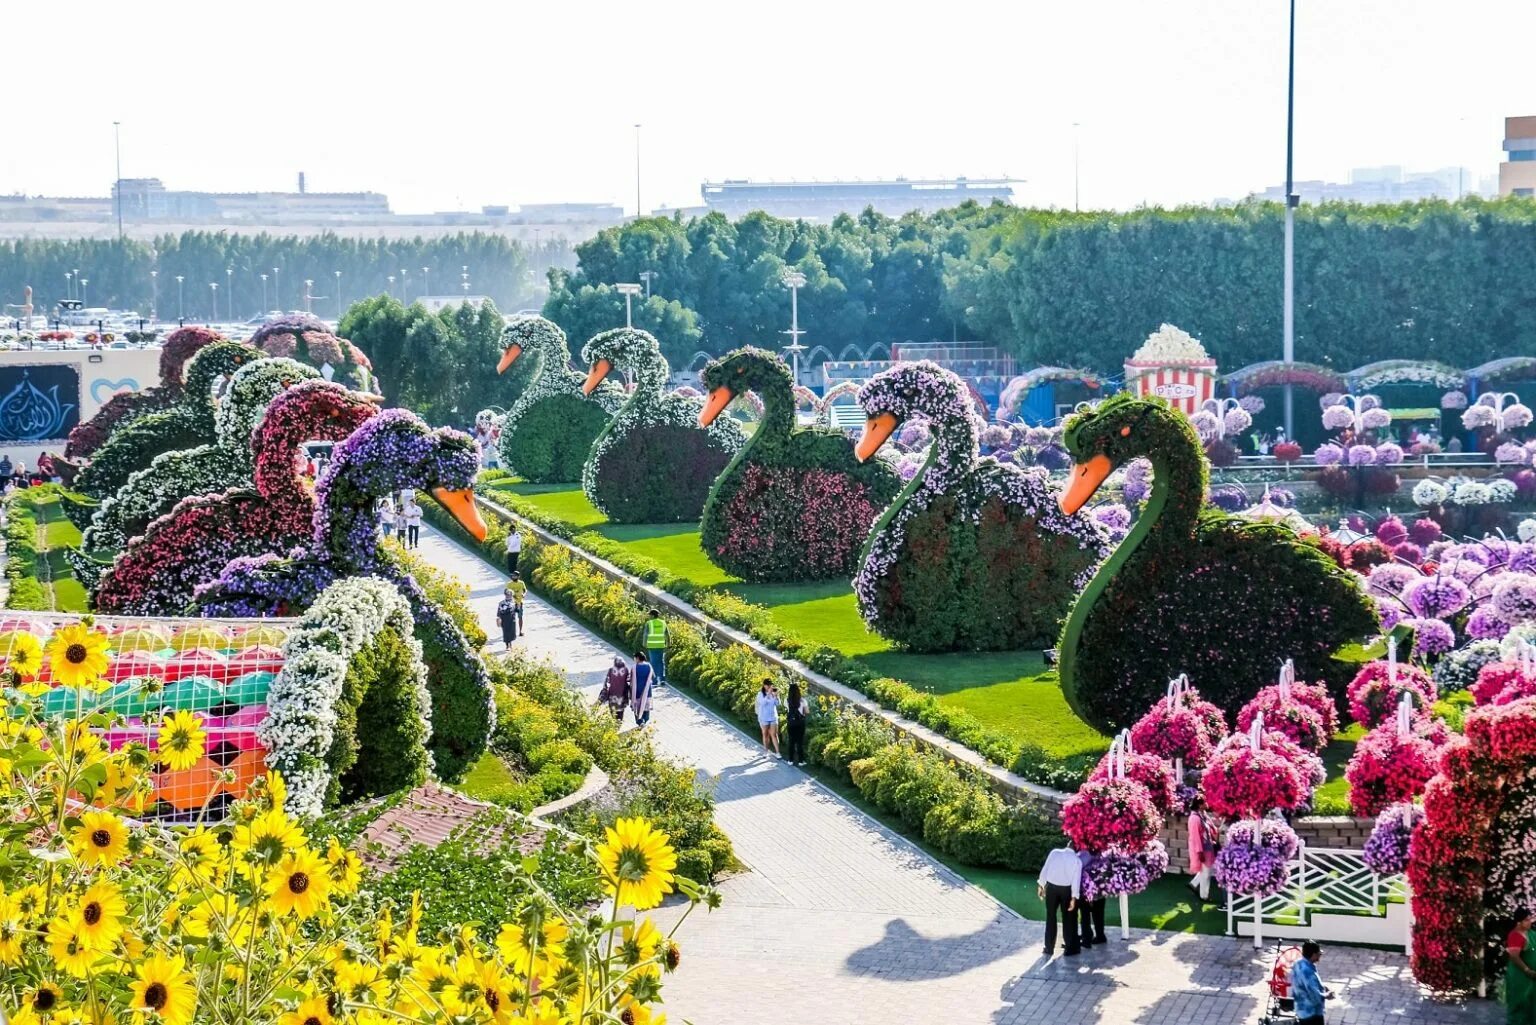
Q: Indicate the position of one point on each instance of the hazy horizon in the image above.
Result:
(1178, 103)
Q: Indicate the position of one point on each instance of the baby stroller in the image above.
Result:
(1281, 1008)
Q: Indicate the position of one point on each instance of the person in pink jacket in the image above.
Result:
(1202, 848)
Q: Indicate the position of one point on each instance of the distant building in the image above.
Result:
(149, 199)
(570, 213)
(822, 201)
(1517, 174)
(1390, 184)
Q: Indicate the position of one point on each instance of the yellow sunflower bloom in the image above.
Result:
(361, 982)
(164, 988)
(100, 912)
(313, 1011)
(222, 913)
(13, 929)
(632, 1012)
(78, 656)
(344, 866)
(25, 657)
(181, 740)
(68, 947)
(639, 945)
(261, 842)
(46, 998)
(637, 862)
(298, 884)
(100, 839)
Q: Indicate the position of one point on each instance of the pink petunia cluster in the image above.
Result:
(1374, 693)
(1106, 813)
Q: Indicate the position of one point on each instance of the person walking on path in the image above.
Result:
(519, 591)
(640, 700)
(506, 618)
(400, 520)
(413, 523)
(1090, 913)
(615, 692)
(768, 716)
(1306, 987)
(1520, 976)
(514, 548)
(1059, 886)
(656, 645)
(796, 714)
(1202, 849)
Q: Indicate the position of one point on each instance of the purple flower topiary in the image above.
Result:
(1436, 596)
(1514, 597)
(1432, 637)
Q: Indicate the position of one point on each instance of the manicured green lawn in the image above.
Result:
(489, 779)
(55, 533)
(1010, 692)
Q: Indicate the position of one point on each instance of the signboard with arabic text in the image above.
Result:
(38, 402)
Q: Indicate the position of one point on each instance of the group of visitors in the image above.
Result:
(401, 516)
(1060, 887)
(797, 709)
(630, 687)
(15, 475)
(509, 611)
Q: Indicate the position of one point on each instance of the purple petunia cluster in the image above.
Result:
(1255, 859)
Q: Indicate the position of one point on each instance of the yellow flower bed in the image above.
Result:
(105, 919)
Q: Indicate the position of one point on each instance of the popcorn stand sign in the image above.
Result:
(1173, 365)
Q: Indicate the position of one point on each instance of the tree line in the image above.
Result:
(1429, 280)
(118, 273)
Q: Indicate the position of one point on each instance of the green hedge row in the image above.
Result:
(950, 804)
(21, 558)
(528, 735)
(1028, 760)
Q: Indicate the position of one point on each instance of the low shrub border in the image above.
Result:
(945, 794)
(1016, 766)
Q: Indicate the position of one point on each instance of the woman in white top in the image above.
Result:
(768, 715)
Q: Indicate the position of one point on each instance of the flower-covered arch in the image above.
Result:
(304, 337)
(1020, 398)
(1276, 373)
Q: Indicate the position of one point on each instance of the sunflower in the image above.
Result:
(78, 656)
(314, 1011)
(13, 929)
(164, 988)
(262, 841)
(100, 915)
(344, 866)
(361, 982)
(299, 884)
(26, 655)
(181, 740)
(637, 862)
(633, 1012)
(199, 858)
(495, 990)
(640, 944)
(100, 839)
(68, 947)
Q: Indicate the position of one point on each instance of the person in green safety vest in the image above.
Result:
(656, 645)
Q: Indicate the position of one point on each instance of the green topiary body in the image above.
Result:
(973, 555)
(794, 504)
(1192, 590)
(549, 430)
(187, 424)
(652, 463)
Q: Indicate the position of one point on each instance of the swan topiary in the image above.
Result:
(548, 432)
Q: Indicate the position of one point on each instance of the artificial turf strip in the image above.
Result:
(54, 534)
(1011, 693)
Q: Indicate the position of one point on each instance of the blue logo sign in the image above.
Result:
(29, 412)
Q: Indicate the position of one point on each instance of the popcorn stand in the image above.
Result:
(1173, 365)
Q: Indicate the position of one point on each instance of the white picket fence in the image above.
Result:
(1332, 895)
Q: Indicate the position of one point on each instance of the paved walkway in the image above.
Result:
(840, 921)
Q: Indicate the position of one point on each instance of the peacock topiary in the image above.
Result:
(652, 463)
(973, 554)
(795, 503)
(1191, 589)
(548, 432)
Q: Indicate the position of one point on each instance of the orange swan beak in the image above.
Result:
(595, 376)
(508, 358)
(461, 506)
(876, 430)
(1086, 478)
(718, 399)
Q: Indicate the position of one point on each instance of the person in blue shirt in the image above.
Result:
(1306, 987)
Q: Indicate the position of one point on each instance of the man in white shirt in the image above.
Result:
(514, 549)
(1059, 886)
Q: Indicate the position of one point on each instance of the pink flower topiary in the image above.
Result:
(1388, 768)
(1499, 683)
(1241, 783)
(1298, 722)
(1150, 771)
(1107, 813)
(1373, 698)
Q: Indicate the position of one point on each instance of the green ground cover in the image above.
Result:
(57, 589)
(1010, 692)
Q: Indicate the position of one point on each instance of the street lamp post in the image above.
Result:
(338, 298)
(639, 210)
(390, 289)
(646, 276)
(181, 313)
(426, 281)
(309, 291)
(403, 293)
(1076, 152)
(264, 306)
(83, 283)
(69, 285)
(277, 291)
(213, 292)
(1288, 343)
(77, 281)
(117, 144)
(794, 279)
(154, 296)
(229, 292)
(628, 290)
